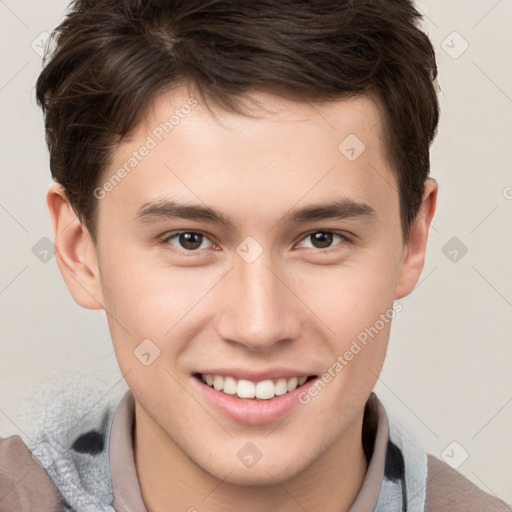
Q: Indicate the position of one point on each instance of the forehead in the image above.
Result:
(183, 107)
(285, 153)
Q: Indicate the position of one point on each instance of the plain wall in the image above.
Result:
(447, 373)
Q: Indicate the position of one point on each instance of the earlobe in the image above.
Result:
(75, 252)
(414, 253)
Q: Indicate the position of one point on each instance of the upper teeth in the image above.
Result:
(243, 388)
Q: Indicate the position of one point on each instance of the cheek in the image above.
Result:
(355, 302)
(148, 299)
(156, 303)
(350, 297)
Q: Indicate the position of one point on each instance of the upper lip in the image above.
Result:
(257, 376)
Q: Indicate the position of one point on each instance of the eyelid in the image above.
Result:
(347, 238)
(164, 239)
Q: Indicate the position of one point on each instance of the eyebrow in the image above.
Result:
(338, 210)
(168, 209)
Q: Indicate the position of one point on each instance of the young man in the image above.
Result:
(243, 187)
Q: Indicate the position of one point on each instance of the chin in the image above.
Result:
(275, 469)
(257, 478)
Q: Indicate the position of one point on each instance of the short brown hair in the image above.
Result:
(112, 57)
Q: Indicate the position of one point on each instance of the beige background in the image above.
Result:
(448, 368)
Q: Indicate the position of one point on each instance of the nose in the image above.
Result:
(258, 309)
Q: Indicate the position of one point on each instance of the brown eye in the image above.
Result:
(188, 241)
(325, 239)
(321, 239)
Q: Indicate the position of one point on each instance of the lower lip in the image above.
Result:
(250, 411)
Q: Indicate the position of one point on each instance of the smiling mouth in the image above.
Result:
(247, 389)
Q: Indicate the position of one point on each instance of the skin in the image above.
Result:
(299, 304)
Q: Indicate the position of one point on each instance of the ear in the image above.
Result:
(75, 251)
(414, 251)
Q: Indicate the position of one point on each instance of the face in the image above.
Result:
(262, 249)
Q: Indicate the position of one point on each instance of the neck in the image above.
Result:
(166, 475)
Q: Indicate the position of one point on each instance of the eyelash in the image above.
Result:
(174, 234)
